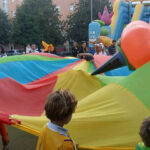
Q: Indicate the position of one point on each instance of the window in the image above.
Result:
(58, 8)
(4, 6)
(13, 14)
(72, 7)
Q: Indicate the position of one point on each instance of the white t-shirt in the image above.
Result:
(34, 51)
(28, 50)
(101, 53)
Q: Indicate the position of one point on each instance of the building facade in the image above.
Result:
(65, 7)
(12, 6)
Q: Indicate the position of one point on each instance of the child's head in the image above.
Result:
(114, 42)
(83, 44)
(75, 44)
(60, 105)
(145, 131)
(98, 48)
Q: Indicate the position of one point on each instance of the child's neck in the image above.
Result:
(59, 123)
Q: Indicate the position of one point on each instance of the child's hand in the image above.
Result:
(5, 140)
(77, 146)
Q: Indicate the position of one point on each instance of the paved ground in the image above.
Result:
(20, 140)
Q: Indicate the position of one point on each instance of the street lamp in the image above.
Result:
(91, 10)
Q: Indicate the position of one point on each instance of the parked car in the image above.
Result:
(19, 52)
(10, 53)
(14, 52)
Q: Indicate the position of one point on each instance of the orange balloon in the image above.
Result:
(135, 43)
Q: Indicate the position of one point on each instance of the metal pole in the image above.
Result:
(91, 10)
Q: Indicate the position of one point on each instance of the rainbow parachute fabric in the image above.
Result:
(109, 111)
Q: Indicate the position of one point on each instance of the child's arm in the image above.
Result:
(5, 138)
(67, 145)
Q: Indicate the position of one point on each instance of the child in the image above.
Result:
(59, 108)
(145, 135)
(99, 49)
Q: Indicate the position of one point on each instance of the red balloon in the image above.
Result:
(135, 43)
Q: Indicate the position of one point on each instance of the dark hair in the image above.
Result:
(145, 131)
(2, 48)
(60, 105)
(113, 41)
(33, 44)
(83, 42)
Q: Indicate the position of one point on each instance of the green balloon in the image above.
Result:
(100, 22)
(104, 32)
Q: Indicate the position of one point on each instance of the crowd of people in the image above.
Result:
(76, 51)
(99, 49)
(29, 49)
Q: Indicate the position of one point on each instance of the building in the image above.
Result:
(9, 6)
(12, 6)
(4, 5)
(65, 7)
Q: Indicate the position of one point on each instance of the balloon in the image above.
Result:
(135, 43)
(47, 47)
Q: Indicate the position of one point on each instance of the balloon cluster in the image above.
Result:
(48, 47)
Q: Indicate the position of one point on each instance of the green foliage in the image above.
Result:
(36, 21)
(100, 22)
(4, 28)
(77, 24)
(104, 32)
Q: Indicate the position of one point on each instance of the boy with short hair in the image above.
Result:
(59, 108)
(145, 135)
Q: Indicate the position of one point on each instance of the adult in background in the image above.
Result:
(34, 49)
(28, 49)
(75, 49)
(112, 48)
(83, 48)
(2, 51)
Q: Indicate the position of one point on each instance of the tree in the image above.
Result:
(36, 21)
(77, 23)
(4, 28)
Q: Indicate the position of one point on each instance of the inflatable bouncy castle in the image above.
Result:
(124, 13)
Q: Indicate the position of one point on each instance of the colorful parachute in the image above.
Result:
(109, 111)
